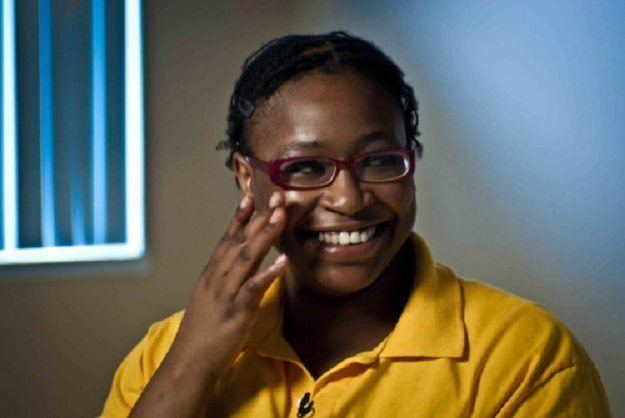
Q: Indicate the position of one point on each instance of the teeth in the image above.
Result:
(347, 237)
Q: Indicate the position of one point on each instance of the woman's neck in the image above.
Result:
(320, 326)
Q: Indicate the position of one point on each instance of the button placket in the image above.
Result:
(301, 384)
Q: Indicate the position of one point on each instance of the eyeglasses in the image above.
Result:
(308, 173)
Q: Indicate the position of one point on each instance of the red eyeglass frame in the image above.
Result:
(272, 168)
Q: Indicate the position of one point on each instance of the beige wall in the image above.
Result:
(65, 328)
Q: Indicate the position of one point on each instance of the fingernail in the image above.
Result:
(275, 216)
(245, 202)
(280, 260)
(274, 200)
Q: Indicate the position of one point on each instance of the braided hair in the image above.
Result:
(288, 57)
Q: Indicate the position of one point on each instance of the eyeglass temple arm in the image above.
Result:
(262, 165)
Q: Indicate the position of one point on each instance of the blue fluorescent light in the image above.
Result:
(79, 235)
(9, 126)
(46, 125)
(134, 247)
(69, 254)
(134, 127)
(98, 120)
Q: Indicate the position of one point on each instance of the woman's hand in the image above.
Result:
(220, 315)
(224, 303)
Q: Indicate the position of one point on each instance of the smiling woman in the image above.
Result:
(346, 116)
(354, 318)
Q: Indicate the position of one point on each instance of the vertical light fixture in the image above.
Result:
(9, 129)
(50, 251)
(46, 126)
(134, 129)
(98, 120)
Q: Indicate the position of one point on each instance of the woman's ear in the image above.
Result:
(243, 173)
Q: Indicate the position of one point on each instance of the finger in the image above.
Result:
(252, 291)
(259, 218)
(252, 252)
(233, 248)
(241, 216)
(277, 199)
(237, 247)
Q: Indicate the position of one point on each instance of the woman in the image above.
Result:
(353, 318)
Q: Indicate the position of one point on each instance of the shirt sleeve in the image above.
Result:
(573, 391)
(128, 383)
(135, 371)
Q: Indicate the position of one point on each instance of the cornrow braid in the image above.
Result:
(283, 59)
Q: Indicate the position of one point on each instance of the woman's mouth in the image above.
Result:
(347, 237)
(347, 244)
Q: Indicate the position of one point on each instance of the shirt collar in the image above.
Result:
(431, 324)
(267, 337)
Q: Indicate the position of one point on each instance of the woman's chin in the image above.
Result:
(341, 270)
(341, 281)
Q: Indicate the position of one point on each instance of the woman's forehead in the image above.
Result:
(325, 111)
(296, 145)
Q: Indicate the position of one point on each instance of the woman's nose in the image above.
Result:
(345, 195)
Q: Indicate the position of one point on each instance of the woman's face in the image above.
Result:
(339, 116)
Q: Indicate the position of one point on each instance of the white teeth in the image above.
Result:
(347, 237)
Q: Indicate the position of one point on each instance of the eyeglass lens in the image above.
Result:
(307, 173)
(379, 167)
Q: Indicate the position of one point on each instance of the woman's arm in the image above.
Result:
(219, 316)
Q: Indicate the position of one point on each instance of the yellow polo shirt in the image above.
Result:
(459, 349)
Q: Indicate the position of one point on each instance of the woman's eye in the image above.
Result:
(306, 167)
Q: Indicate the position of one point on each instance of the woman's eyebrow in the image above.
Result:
(299, 145)
(374, 136)
(314, 144)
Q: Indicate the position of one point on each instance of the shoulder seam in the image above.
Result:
(541, 383)
(550, 377)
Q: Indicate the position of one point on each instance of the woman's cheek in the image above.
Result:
(262, 189)
(411, 203)
(294, 197)
(402, 195)
(296, 204)
(299, 202)
(294, 210)
(402, 200)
